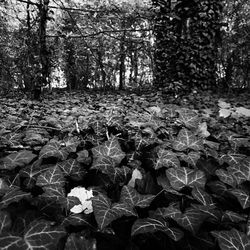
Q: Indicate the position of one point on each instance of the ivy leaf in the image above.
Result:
(105, 212)
(242, 196)
(189, 118)
(53, 149)
(213, 214)
(166, 158)
(241, 172)
(233, 217)
(103, 163)
(232, 159)
(107, 166)
(187, 140)
(18, 159)
(151, 225)
(56, 194)
(76, 220)
(181, 177)
(191, 220)
(226, 177)
(5, 222)
(110, 148)
(32, 171)
(203, 197)
(191, 158)
(232, 240)
(79, 242)
(52, 176)
(72, 168)
(39, 235)
(132, 198)
(13, 195)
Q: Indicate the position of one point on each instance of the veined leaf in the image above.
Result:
(191, 158)
(76, 220)
(5, 222)
(39, 235)
(105, 212)
(241, 172)
(53, 149)
(203, 197)
(56, 194)
(226, 177)
(13, 195)
(72, 167)
(232, 159)
(151, 225)
(110, 148)
(132, 198)
(181, 177)
(32, 171)
(52, 176)
(188, 118)
(18, 159)
(232, 240)
(242, 197)
(191, 220)
(166, 158)
(213, 214)
(79, 242)
(187, 140)
(107, 166)
(233, 217)
(103, 163)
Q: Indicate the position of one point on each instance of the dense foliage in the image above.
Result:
(122, 171)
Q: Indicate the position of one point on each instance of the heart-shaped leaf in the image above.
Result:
(13, 195)
(107, 166)
(181, 177)
(202, 196)
(131, 197)
(166, 158)
(190, 220)
(241, 172)
(151, 225)
(53, 149)
(56, 194)
(187, 140)
(189, 118)
(242, 196)
(232, 240)
(191, 158)
(5, 222)
(110, 148)
(232, 159)
(72, 167)
(31, 172)
(226, 177)
(52, 176)
(233, 217)
(105, 212)
(18, 159)
(39, 235)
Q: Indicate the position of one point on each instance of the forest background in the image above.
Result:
(124, 44)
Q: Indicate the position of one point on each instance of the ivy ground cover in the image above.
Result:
(119, 171)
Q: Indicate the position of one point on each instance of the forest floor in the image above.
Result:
(149, 147)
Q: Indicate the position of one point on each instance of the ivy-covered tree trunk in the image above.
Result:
(43, 77)
(187, 33)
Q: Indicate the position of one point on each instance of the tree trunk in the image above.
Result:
(43, 77)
